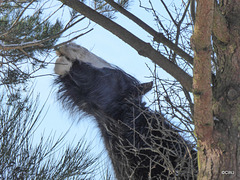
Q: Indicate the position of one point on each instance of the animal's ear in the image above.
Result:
(139, 90)
(145, 87)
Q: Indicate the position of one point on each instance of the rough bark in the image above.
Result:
(158, 37)
(203, 118)
(218, 141)
(226, 90)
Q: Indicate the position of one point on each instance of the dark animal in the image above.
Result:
(140, 143)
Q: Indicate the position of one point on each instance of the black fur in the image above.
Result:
(140, 143)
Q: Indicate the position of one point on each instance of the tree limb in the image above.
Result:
(20, 46)
(158, 37)
(143, 48)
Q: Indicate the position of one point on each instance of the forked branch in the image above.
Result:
(143, 48)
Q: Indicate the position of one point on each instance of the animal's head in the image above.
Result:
(71, 52)
(93, 81)
(68, 53)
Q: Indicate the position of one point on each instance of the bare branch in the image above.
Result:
(70, 40)
(143, 48)
(169, 13)
(21, 46)
(159, 37)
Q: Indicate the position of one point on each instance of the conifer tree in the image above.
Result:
(27, 35)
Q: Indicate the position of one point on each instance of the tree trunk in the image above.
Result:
(227, 90)
(202, 91)
(219, 141)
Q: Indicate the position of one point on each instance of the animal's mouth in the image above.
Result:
(58, 52)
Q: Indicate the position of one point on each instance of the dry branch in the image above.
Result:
(143, 48)
(158, 37)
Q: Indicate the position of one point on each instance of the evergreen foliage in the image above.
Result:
(20, 159)
(27, 34)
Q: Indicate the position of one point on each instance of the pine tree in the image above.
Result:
(26, 34)
(20, 159)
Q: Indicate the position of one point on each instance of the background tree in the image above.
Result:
(216, 68)
(27, 36)
(21, 159)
